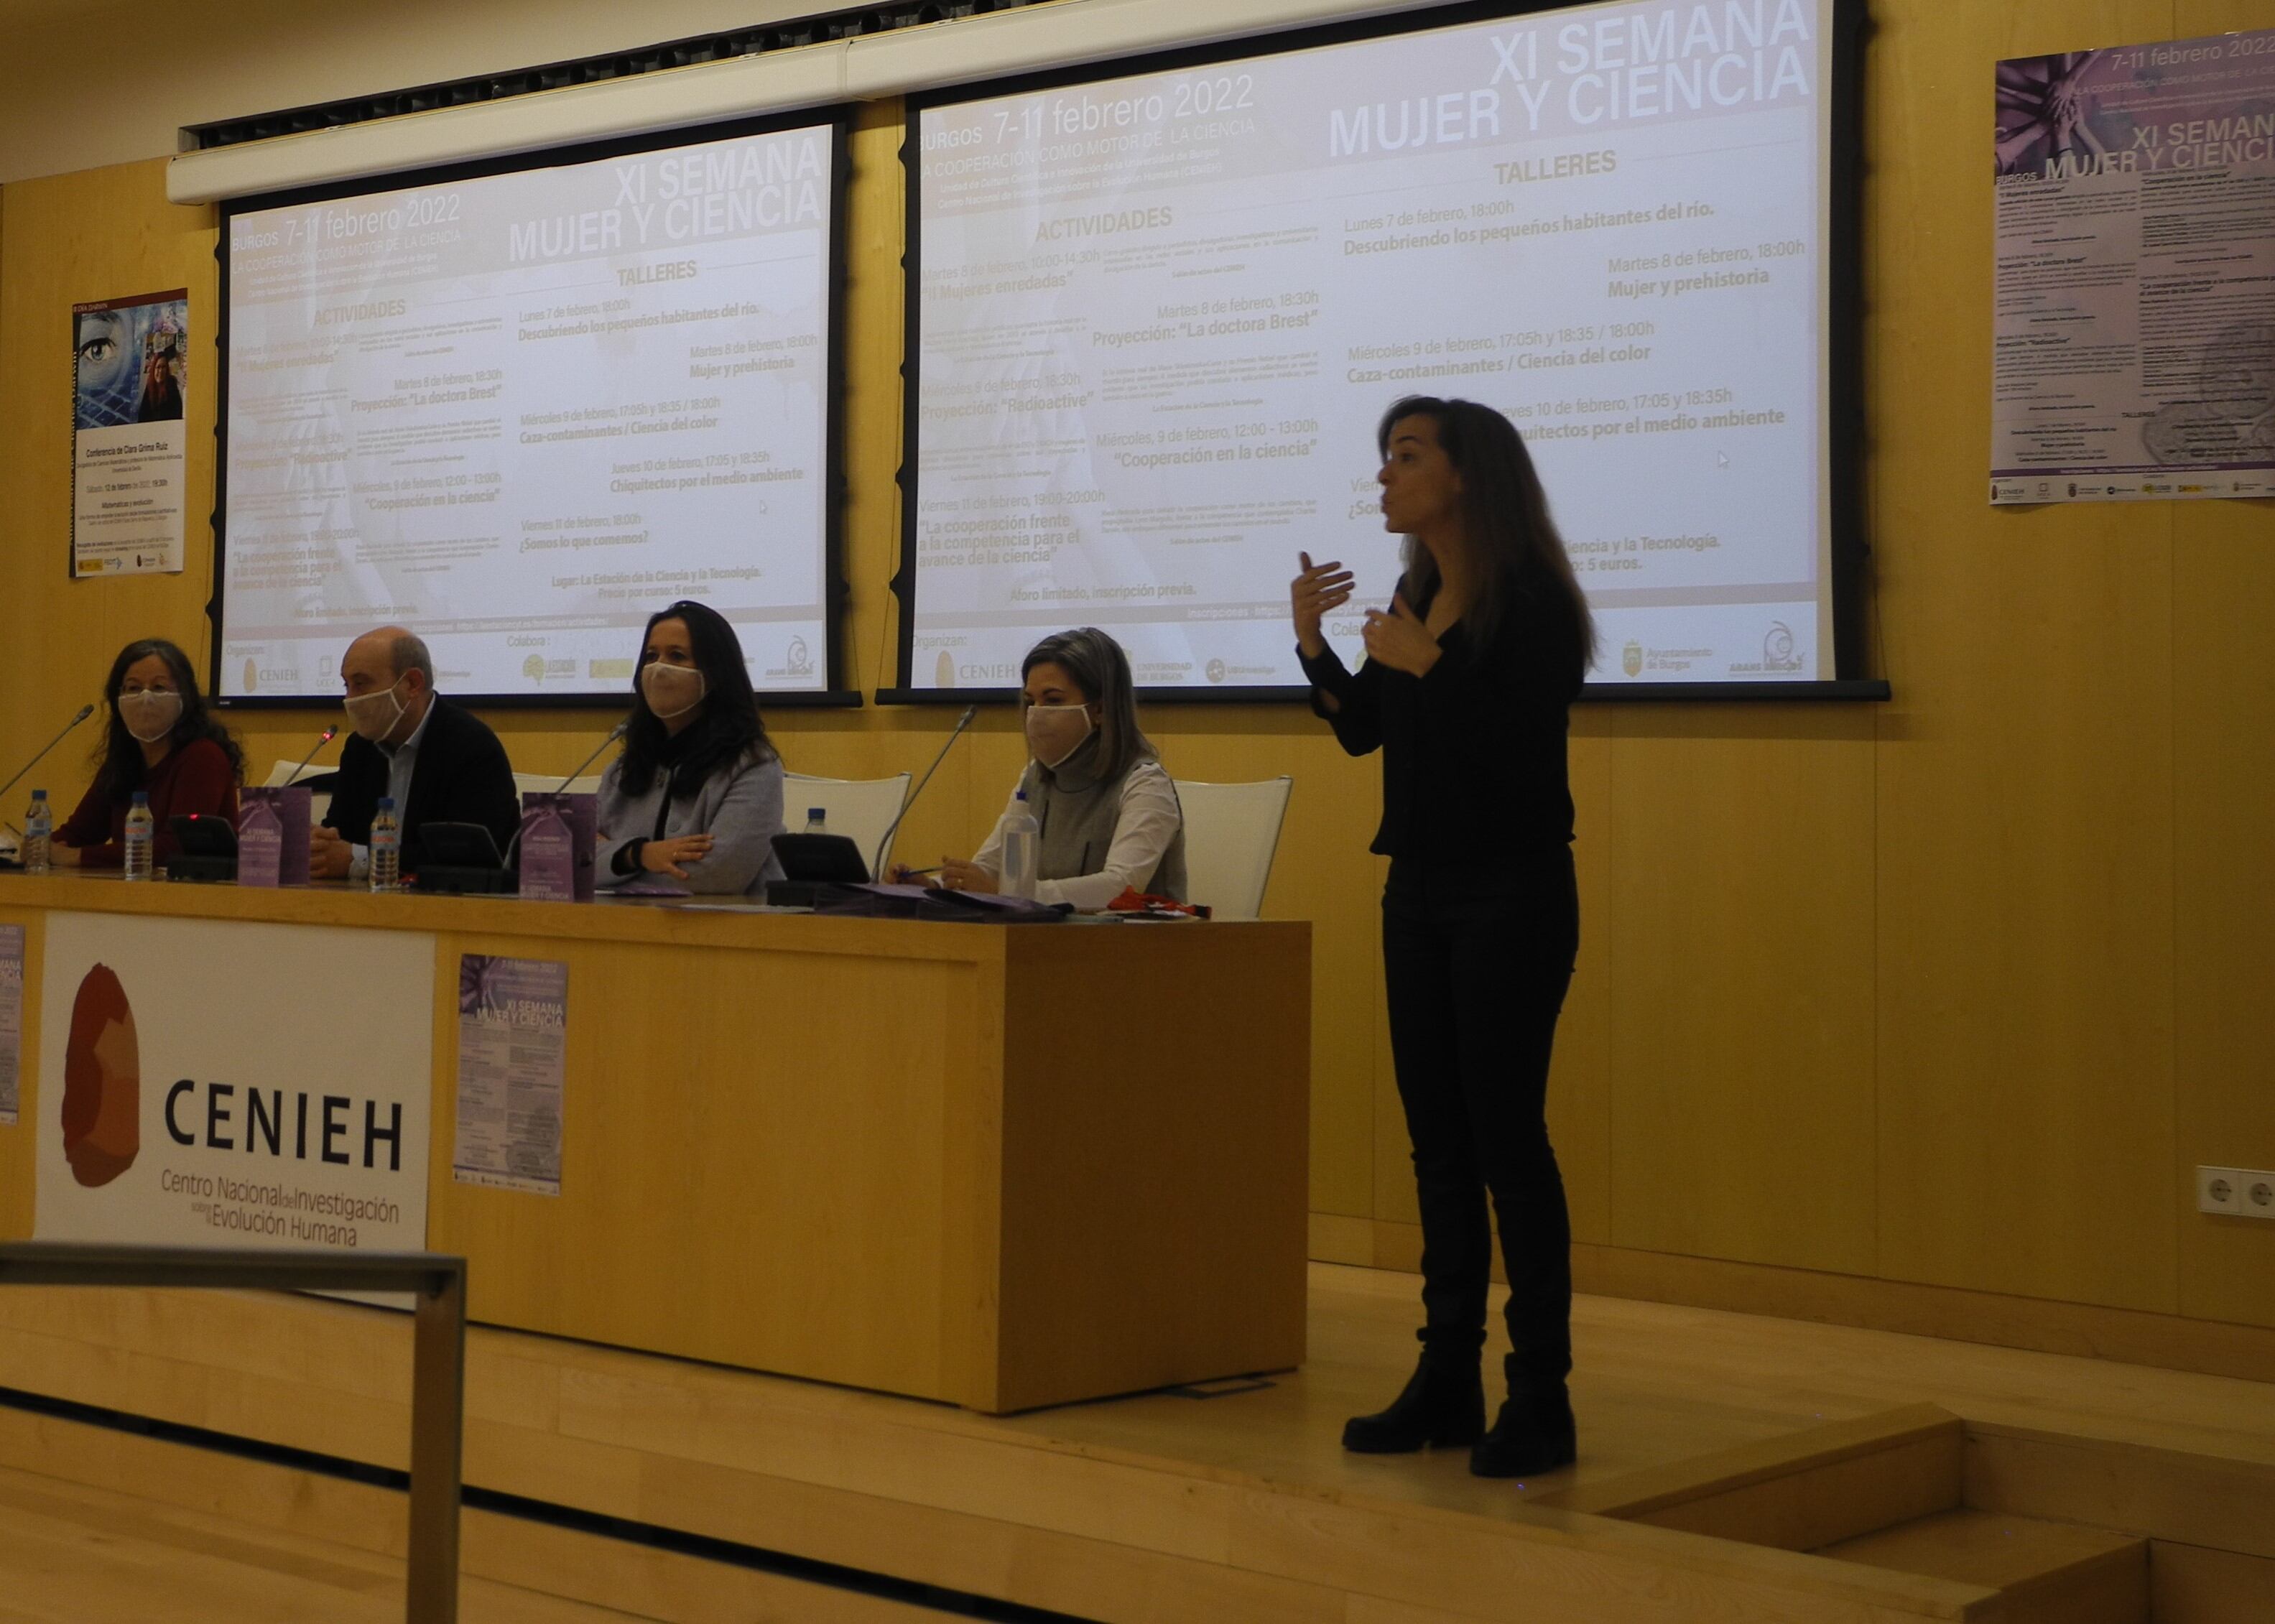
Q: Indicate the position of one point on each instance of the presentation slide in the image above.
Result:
(1161, 315)
(519, 413)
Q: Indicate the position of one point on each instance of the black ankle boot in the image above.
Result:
(1443, 1404)
(1533, 1433)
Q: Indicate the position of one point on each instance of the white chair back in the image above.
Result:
(546, 783)
(1232, 833)
(319, 801)
(861, 809)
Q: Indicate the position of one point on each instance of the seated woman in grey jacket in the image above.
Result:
(1108, 811)
(696, 794)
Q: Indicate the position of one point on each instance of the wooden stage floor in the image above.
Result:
(1716, 1450)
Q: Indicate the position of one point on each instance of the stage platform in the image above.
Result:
(1733, 1468)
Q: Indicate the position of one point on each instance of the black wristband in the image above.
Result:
(628, 855)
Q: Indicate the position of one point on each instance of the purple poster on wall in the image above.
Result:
(513, 1027)
(11, 1019)
(2133, 325)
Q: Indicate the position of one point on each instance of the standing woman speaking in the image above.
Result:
(1466, 689)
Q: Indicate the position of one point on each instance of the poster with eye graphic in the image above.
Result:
(130, 360)
(2134, 326)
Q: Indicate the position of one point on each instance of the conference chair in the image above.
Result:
(319, 801)
(859, 808)
(1232, 833)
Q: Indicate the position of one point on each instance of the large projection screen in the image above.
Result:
(517, 411)
(1159, 313)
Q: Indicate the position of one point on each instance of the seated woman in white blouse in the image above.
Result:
(1110, 815)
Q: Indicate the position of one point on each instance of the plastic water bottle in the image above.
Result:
(1023, 850)
(141, 834)
(39, 826)
(385, 846)
(816, 820)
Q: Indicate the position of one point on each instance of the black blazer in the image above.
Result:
(461, 776)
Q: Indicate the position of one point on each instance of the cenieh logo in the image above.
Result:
(269, 1127)
(103, 1082)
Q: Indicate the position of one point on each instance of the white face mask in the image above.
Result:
(150, 714)
(373, 715)
(1056, 731)
(671, 690)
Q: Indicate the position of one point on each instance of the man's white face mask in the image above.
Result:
(373, 715)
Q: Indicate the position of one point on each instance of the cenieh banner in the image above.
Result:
(129, 363)
(2134, 333)
(223, 1084)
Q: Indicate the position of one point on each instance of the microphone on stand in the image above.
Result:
(322, 739)
(85, 711)
(954, 733)
(616, 732)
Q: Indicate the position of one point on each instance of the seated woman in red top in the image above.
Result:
(161, 740)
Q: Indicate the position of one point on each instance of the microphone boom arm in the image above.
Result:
(85, 711)
(885, 843)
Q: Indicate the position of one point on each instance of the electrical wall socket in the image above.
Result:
(2236, 1192)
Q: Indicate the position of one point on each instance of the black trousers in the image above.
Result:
(1477, 972)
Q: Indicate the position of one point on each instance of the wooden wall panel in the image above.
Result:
(1741, 962)
(2223, 897)
(106, 234)
(2224, 881)
(2025, 814)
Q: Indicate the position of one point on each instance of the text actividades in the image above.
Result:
(368, 310)
(1104, 225)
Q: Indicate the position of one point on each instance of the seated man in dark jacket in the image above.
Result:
(442, 764)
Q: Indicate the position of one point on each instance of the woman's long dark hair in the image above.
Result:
(729, 730)
(1505, 521)
(1101, 671)
(119, 770)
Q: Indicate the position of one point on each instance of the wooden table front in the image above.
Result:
(999, 1166)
